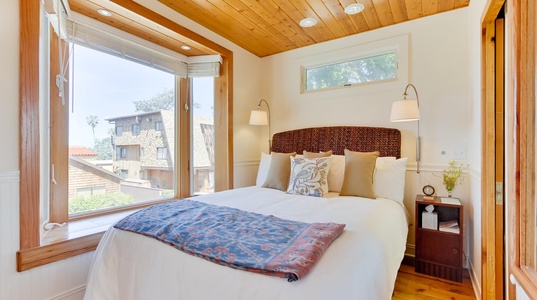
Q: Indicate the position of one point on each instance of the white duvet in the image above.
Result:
(361, 263)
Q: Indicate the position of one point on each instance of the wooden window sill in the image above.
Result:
(75, 238)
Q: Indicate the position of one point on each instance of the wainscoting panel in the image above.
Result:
(245, 173)
(61, 280)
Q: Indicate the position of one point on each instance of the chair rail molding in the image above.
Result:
(9, 176)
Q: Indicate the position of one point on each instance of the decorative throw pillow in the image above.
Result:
(337, 171)
(389, 179)
(359, 169)
(278, 174)
(316, 155)
(264, 166)
(309, 176)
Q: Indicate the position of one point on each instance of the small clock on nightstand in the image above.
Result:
(428, 191)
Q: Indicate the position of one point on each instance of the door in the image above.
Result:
(493, 162)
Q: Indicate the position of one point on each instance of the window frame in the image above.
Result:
(120, 129)
(158, 126)
(399, 44)
(162, 153)
(305, 70)
(33, 252)
(136, 129)
(121, 153)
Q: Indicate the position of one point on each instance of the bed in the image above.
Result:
(361, 263)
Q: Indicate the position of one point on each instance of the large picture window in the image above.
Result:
(104, 100)
(41, 167)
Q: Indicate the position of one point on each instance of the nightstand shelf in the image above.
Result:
(439, 253)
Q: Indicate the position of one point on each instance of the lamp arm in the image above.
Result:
(269, 122)
(418, 138)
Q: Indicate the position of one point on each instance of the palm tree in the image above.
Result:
(92, 121)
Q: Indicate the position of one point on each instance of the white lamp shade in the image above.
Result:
(405, 110)
(258, 117)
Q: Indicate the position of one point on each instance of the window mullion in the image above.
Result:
(59, 137)
(183, 138)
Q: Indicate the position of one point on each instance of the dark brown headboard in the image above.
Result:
(364, 139)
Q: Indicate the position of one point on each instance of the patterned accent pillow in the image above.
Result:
(309, 176)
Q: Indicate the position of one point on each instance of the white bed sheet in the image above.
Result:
(362, 263)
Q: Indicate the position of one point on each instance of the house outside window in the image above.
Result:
(135, 129)
(119, 130)
(162, 153)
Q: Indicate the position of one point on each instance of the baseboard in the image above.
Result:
(409, 261)
(76, 293)
(410, 250)
(473, 278)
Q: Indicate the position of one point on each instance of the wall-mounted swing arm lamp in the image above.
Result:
(409, 110)
(261, 117)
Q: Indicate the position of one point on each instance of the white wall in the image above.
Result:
(438, 67)
(9, 83)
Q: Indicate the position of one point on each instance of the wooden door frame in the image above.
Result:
(489, 259)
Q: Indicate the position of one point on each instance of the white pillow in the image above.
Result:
(389, 179)
(264, 166)
(309, 176)
(337, 171)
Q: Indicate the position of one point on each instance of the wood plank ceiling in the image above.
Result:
(134, 24)
(266, 27)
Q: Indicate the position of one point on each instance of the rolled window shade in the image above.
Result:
(127, 47)
(93, 34)
(203, 69)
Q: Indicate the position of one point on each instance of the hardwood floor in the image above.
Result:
(415, 286)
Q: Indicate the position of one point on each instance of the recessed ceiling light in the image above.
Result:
(308, 22)
(354, 8)
(104, 12)
(185, 47)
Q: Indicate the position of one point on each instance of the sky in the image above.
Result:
(106, 86)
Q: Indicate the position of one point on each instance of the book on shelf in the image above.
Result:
(449, 226)
(449, 200)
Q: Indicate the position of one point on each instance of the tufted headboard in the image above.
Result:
(336, 138)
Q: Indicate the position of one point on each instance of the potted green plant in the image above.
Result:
(453, 176)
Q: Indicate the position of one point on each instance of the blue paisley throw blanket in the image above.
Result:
(238, 239)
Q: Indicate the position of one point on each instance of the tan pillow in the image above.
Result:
(359, 169)
(317, 155)
(279, 171)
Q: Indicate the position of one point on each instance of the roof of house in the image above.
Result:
(81, 151)
(80, 163)
(137, 114)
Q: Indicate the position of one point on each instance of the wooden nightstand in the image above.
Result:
(439, 253)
